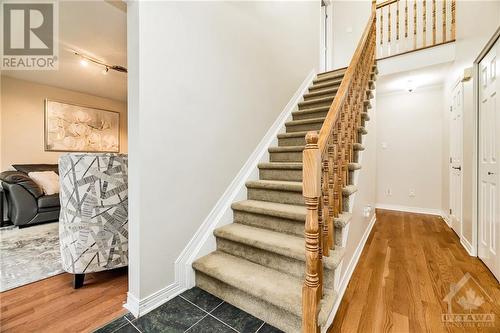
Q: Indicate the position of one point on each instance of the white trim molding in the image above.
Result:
(141, 307)
(410, 209)
(344, 281)
(203, 241)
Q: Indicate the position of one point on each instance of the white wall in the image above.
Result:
(348, 24)
(22, 123)
(410, 127)
(207, 80)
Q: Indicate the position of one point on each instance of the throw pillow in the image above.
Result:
(47, 180)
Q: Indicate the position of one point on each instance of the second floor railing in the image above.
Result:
(410, 25)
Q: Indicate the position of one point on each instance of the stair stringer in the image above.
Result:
(340, 282)
(203, 241)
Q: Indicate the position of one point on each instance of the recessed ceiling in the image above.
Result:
(423, 77)
(94, 28)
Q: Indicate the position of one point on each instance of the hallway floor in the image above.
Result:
(404, 274)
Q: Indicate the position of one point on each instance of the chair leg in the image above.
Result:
(78, 280)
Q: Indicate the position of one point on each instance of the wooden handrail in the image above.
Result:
(326, 157)
(341, 95)
(386, 3)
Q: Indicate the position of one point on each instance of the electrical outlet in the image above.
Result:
(388, 192)
(411, 193)
(367, 210)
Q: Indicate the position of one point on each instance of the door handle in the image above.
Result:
(458, 168)
(490, 173)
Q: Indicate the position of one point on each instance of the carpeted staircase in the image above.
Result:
(259, 263)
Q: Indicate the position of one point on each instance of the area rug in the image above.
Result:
(28, 254)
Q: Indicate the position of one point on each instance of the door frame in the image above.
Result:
(475, 153)
(326, 36)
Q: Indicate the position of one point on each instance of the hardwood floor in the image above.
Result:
(52, 305)
(405, 272)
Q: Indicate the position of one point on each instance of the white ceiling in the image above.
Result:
(423, 77)
(94, 28)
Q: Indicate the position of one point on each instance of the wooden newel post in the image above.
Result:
(311, 192)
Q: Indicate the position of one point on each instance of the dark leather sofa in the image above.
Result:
(26, 202)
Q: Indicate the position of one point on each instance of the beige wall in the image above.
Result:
(22, 119)
(409, 149)
(207, 81)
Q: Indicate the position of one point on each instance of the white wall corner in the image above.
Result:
(203, 241)
(344, 281)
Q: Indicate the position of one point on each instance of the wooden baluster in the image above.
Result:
(397, 21)
(453, 27)
(433, 22)
(326, 208)
(444, 21)
(406, 20)
(389, 24)
(415, 24)
(331, 199)
(381, 26)
(311, 192)
(424, 25)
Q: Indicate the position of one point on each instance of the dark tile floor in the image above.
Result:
(193, 311)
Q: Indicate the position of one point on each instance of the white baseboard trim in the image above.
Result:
(348, 273)
(410, 209)
(141, 307)
(203, 241)
(468, 246)
(446, 218)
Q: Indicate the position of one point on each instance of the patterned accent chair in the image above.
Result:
(93, 224)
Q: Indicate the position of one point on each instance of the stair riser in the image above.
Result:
(311, 115)
(286, 142)
(277, 317)
(314, 104)
(304, 127)
(268, 259)
(286, 157)
(281, 174)
(270, 222)
(284, 197)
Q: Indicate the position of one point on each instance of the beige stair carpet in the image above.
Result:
(259, 263)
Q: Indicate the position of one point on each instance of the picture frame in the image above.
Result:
(70, 127)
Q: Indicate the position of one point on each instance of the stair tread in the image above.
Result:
(282, 149)
(333, 71)
(323, 108)
(317, 100)
(358, 146)
(294, 134)
(280, 289)
(281, 185)
(349, 189)
(325, 83)
(276, 242)
(324, 91)
(305, 121)
(287, 211)
(342, 220)
(281, 165)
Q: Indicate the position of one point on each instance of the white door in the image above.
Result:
(456, 152)
(489, 145)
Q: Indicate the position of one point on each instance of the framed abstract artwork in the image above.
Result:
(71, 127)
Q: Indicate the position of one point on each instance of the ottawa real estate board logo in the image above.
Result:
(30, 35)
